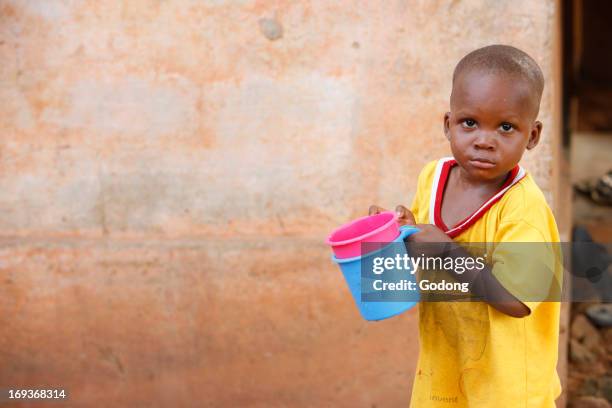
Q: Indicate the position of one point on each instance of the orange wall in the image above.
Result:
(169, 170)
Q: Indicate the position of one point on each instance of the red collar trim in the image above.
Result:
(516, 174)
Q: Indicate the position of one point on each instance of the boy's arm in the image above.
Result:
(484, 285)
(481, 280)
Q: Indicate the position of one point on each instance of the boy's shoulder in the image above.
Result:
(524, 200)
(524, 208)
(523, 196)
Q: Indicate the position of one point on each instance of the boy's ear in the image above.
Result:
(447, 125)
(534, 136)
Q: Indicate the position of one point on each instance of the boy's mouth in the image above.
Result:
(482, 163)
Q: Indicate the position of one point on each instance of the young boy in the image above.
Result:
(502, 352)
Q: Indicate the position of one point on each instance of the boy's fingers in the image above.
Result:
(410, 220)
(401, 211)
(374, 209)
(404, 215)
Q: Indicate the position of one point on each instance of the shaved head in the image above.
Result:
(504, 60)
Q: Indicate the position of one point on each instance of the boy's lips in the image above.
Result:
(482, 163)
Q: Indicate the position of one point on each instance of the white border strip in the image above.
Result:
(434, 188)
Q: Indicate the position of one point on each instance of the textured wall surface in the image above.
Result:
(169, 170)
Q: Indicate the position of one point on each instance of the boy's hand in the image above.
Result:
(404, 216)
(374, 209)
(422, 240)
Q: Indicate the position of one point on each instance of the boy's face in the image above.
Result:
(491, 123)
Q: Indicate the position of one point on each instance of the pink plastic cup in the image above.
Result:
(346, 241)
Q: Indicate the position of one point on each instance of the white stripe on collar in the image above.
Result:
(434, 187)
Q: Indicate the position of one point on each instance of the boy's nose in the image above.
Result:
(484, 141)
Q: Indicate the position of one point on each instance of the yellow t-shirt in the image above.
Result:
(472, 355)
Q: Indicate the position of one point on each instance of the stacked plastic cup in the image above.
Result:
(384, 237)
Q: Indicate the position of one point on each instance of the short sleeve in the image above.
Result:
(527, 263)
(421, 196)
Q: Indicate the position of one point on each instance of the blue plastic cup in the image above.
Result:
(352, 271)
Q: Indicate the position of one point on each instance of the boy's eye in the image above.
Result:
(506, 127)
(469, 123)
